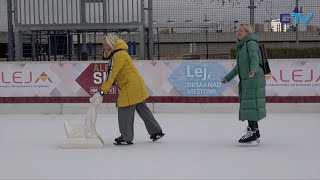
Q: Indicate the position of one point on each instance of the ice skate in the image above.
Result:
(258, 135)
(121, 141)
(156, 136)
(249, 139)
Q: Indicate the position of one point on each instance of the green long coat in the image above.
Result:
(252, 91)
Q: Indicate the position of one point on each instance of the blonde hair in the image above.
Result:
(247, 27)
(110, 39)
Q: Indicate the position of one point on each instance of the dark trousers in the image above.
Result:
(126, 120)
(253, 125)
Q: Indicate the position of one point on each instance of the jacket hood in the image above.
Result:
(120, 44)
(250, 37)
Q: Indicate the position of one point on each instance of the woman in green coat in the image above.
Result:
(252, 85)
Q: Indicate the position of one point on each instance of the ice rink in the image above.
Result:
(196, 146)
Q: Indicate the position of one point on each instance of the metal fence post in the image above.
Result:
(10, 30)
(150, 32)
(252, 7)
(297, 25)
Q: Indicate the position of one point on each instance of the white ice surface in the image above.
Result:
(196, 146)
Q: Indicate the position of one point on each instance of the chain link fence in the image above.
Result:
(3, 16)
(204, 29)
(3, 30)
(188, 29)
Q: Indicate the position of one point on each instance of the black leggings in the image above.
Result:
(253, 125)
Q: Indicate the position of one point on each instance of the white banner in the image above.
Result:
(198, 78)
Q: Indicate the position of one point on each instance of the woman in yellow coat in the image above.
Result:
(133, 91)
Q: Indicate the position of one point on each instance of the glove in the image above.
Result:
(223, 81)
(101, 92)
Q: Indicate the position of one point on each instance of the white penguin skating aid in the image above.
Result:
(85, 136)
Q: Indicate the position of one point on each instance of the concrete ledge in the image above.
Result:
(30, 108)
(82, 108)
(158, 108)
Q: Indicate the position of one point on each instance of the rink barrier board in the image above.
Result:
(191, 81)
(162, 99)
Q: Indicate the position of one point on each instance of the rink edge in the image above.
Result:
(170, 105)
(162, 99)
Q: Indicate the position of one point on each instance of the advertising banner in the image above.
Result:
(294, 78)
(198, 78)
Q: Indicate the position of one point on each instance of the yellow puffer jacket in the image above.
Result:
(130, 81)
